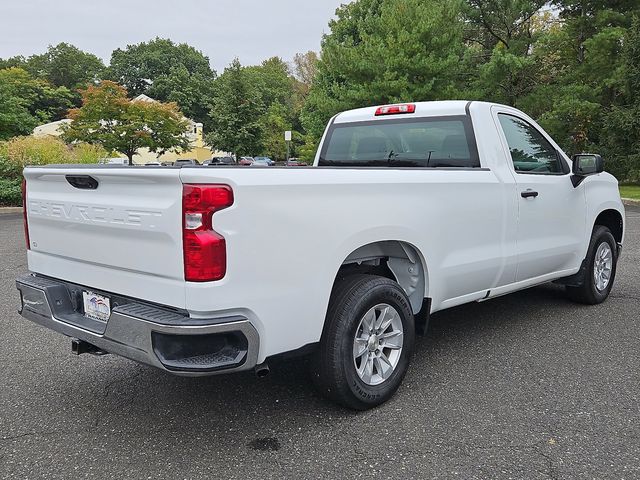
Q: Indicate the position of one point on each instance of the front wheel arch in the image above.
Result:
(612, 219)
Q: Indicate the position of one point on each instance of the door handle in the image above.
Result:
(529, 193)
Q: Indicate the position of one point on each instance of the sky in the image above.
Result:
(251, 30)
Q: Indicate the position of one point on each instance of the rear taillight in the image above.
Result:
(24, 213)
(205, 250)
(396, 109)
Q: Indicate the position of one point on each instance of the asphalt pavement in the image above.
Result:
(526, 386)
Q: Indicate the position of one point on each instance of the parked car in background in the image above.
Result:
(245, 161)
(264, 160)
(220, 161)
(185, 161)
(260, 162)
(294, 162)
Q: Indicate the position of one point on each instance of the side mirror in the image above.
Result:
(585, 164)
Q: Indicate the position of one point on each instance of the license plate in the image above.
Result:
(96, 306)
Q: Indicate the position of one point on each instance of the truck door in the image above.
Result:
(551, 213)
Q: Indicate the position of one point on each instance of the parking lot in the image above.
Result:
(524, 386)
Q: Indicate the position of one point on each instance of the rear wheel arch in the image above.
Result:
(361, 313)
(397, 260)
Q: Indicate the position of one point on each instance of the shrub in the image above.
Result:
(87, 153)
(19, 152)
(10, 192)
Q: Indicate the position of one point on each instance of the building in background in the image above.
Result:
(195, 134)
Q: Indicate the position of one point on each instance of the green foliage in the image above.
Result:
(18, 61)
(168, 72)
(253, 107)
(26, 102)
(87, 153)
(305, 69)
(235, 112)
(506, 77)
(281, 97)
(306, 151)
(19, 152)
(192, 92)
(109, 119)
(64, 65)
(384, 51)
(630, 191)
(10, 192)
(622, 123)
(273, 82)
(138, 66)
(585, 107)
(504, 23)
(274, 124)
(578, 74)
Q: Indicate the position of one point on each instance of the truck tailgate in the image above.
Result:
(124, 236)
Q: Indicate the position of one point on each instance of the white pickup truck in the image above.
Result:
(407, 210)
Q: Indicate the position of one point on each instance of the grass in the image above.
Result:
(630, 191)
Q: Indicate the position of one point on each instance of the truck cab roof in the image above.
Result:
(422, 109)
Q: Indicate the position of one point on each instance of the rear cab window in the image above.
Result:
(427, 142)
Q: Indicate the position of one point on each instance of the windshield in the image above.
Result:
(423, 142)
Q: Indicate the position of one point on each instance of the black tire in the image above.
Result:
(333, 368)
(588, 293)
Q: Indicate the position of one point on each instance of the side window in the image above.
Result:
(530, 151)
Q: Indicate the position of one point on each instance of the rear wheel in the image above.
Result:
(367, 342)
(600, 269)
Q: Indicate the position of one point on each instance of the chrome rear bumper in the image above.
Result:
(159, 337)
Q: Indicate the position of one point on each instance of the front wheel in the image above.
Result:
(600, 269)
(367, 342)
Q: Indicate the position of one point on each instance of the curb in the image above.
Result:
(8, 210)
(630, 202)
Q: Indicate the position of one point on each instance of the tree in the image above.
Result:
(273, 81)
(384, 51)
(501, 22)
(235, 112)
(168, 72)
(583, 75)
(305, 69)
(622, 123)
(274, 123)
(65, 65)
(584, 19)
(110, 119)
(15, 118)
(192, 92)
(26, 102)
(281, 104)
(18, 61)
